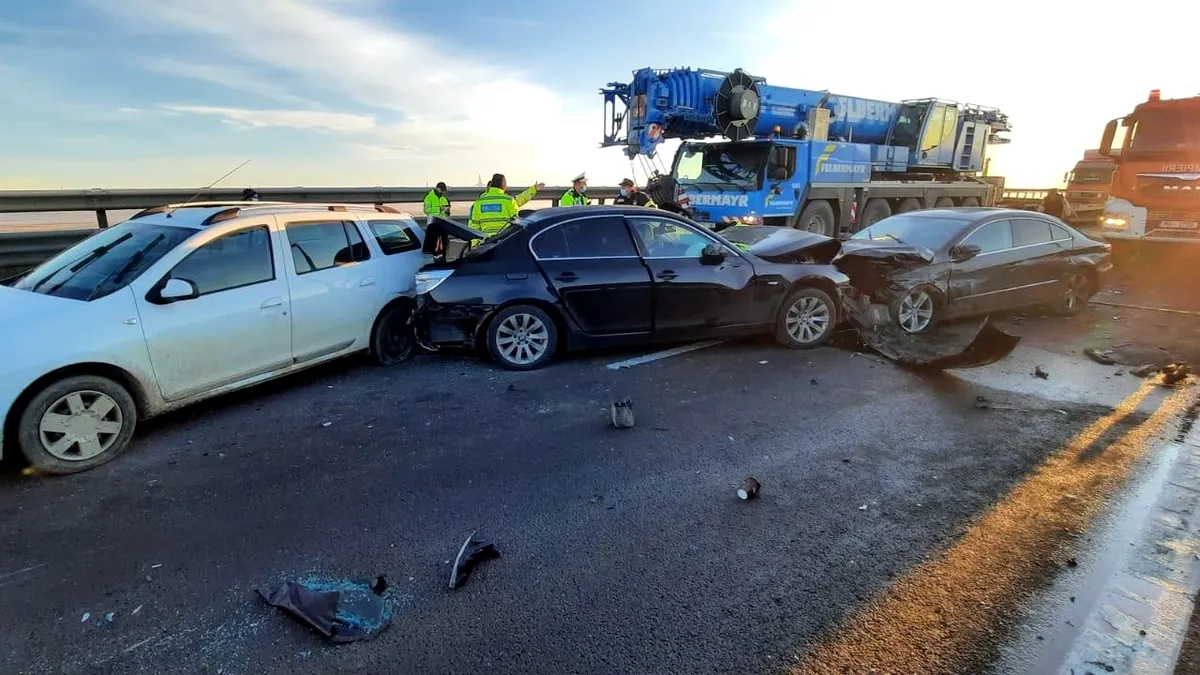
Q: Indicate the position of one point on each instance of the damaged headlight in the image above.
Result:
(427, 281)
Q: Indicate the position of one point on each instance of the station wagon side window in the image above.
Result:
(394, 236)
(603, 237)
(323, 245)
(995, 236)
(663, 238)
(231, 261)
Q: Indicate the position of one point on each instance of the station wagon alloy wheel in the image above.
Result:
(80, 426)
(915, 312)
(807, 319)
(522, 339)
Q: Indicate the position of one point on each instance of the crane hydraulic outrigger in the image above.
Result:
(810, 159)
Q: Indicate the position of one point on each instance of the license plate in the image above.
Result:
(1177, 225)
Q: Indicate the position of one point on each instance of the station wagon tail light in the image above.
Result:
(427, 281)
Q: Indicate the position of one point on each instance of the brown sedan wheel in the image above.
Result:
(1076, 293)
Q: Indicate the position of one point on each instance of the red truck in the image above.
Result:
(1155, 193)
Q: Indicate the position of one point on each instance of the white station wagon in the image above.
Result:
(181, 303)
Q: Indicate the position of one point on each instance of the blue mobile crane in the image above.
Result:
(798, 157)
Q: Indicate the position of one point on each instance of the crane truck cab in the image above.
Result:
(1087, 188)
(808, 159)
(1155, 193)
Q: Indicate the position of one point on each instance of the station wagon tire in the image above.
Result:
(806, 319)
(393, 339)
(1076, 293)
(875, 211)
(917, 311)
(76, 424)
(909, 204)
(817, 217)
(522, 337)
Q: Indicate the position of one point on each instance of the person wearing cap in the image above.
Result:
(436, 202)
(632, 196)
(577, 195)
(493, 209)
(249, 195)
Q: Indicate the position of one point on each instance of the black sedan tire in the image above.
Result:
(917, 310)
(76, 424)
(806, 319)
(1076, 293)
(522, 337)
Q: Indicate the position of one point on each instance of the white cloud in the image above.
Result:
(228, 76)
(291, 119)
(360, 60)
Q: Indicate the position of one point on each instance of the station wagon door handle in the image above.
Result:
(667, 275)
(566, 276)
(369, 281)
(272, 302)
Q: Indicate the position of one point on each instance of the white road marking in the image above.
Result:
(666, 353)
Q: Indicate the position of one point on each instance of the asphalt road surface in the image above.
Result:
(898, 527)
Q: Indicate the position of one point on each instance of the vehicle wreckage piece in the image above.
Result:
(343, 611)
(968, 344)
(469, 554)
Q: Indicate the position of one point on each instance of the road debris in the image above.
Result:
(1101, 357)
(109, 617)
(469, 554)
(1175, 373)
(949, 346)
(621, 413)
(1072, 562)
(863, 507)
(86, 616)
(137, 609)
(749, 489)
(988, 405)
(326, 424)
(1040, 372)
(867, 357)
(1145, 370)
(342, 611)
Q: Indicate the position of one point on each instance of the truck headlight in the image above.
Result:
(1114, 220)
(427, 281)
(750, 220)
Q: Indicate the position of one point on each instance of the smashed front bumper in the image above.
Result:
(455, 325)
(964, 344)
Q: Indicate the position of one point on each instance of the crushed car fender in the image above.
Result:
(968, 344)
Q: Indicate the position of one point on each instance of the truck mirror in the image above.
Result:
(1106, 141)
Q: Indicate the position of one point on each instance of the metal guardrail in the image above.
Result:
(20, 250)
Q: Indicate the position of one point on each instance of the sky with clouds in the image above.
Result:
(164, 93)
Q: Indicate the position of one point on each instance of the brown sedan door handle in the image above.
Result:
(667, 275)
(566, 276)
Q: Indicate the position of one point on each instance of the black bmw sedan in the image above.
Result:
(583, 277)
(921, 267)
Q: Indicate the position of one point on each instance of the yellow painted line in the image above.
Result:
(932, 620)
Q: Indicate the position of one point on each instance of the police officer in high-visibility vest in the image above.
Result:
(436, 202)
(577, 195)
(494, 208)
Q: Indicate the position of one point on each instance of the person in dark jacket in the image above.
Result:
(631, 195)
(1054, 204)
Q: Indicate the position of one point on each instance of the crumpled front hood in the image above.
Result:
(894, 252)
(782, 244)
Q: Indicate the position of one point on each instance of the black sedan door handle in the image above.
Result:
(566, 276)
(667, 275)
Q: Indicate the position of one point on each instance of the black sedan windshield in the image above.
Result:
(915, 230)
(103, 262)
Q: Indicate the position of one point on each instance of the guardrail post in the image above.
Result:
(102, 218)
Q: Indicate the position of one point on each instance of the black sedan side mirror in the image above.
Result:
(712, 255)
(964, 252)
